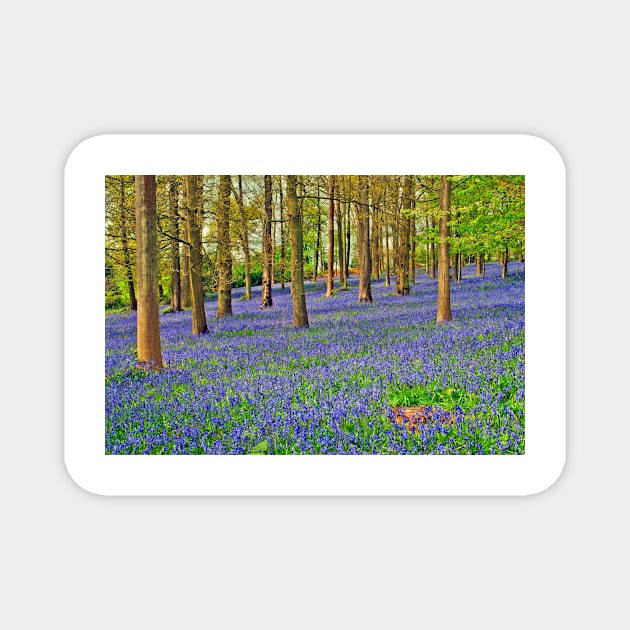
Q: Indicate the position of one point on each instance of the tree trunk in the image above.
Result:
(348, 242)
(412, 257)
(478, 262)
(340, 253)
(224, 252)
(193, 190)
(176, 293)
(444, 286)
(283, 242)
(267, 253)
(133, 303)
(387, 269)
(244, 239)
(363, 241)
(300, 316)
(330, 282)
(402, 270)
(432, 248)
(505, 257)
(148, 323)
(318, 238)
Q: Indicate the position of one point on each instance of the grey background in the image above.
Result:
(73, 560)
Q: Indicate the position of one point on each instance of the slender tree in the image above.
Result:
(402, 272)
(444, 287)
(193, 195)
(224, 252)
(363, 241)
(267, 277)
(343, 281)
(148, 323)
(330, 284)
(173, 213)
(318, 237)
(283, 240)
(133, 304)
(300, 316)
(243, 229)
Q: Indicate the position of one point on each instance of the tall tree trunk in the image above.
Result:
(267, 277)
(348, 241)
(319, 238)
(478, 262)
(148, 324)
(133, 303)
(432, 248)
(283, 241)
(193, 192)
(300, 316)
(387, 268)
(444, 286)
(504, 262)
(340, 253)
(363, 241)
(173, 198)
(224, 252)
(412, 257)
(402, 271)
(244, 239)
(330, 283)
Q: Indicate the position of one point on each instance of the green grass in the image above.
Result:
(425, 395)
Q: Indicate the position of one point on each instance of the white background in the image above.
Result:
(74, 560)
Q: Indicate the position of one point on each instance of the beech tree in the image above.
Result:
(444, 286)
(363, 240)
(330, 284)
(193, 196)
(148, 323)
(267, 277)
(296, 236)
(243, 230)
(224, 254)
(173, 202)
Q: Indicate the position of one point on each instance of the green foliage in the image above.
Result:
(423, 395)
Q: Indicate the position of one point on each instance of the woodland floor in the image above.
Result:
(256, 385)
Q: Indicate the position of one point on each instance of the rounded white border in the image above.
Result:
(533, 472)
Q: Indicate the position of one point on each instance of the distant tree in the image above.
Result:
(363, 240)
(224, 252)
(267, 277)
(444, 286)
(296, 235)
(193, 200)
(148, 322)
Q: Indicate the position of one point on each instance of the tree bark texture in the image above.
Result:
(244, 239)
(444, 286)
(365, 260)
(148, 323)
(330, 282)
(173, 213)
(224, 252)
(193, 196)
(340, 253)
(267, 279)
(133, 304)
(300, 316)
